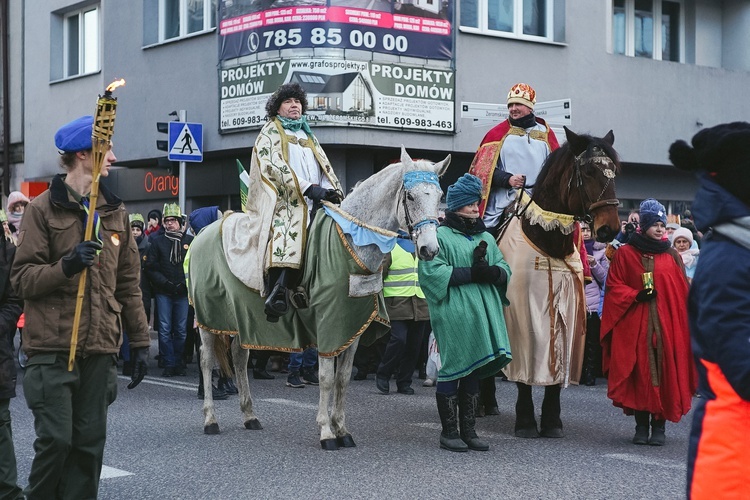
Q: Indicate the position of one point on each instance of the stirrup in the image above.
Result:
(299, 298)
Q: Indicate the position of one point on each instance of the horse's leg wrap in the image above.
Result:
(467, 404)
(551, 425)
(525, 420)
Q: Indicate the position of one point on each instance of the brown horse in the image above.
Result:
(546, 316)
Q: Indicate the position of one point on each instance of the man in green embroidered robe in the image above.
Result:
(292, 174)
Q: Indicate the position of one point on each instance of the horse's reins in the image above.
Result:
(608, 172)
(410, 180)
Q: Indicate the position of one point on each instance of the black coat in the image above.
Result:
(10, 310)
(166, 278)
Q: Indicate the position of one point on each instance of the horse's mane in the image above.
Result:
(557, 165)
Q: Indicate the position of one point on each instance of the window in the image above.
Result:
(179, 18)
(81, 42)
(526, 19)
(648, 28)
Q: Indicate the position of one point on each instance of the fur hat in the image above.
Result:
(522, 93)
(76, 135)
(723, 151)
(651, 212)
(466, 190)
(286, 91)
(683, 232)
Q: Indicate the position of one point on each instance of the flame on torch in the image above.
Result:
(117, 83)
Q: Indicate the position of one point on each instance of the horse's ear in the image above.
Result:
(577, 144)
(442, 167)
(405, 158)
(609, 138)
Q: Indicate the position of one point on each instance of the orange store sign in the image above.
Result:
(161, 184)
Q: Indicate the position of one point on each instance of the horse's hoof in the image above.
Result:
(527, 433)
(552, 432)
(253, 424)
(329, 444)
(346, 441)
(211, 429)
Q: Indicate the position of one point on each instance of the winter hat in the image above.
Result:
(76, 135)
(16, 197)
(651, 212)
(683, 232)
(466, 190)
(154, 214)
(723, 151)
(673, 225)
(522, 93)
(202, 217)
(286, 91)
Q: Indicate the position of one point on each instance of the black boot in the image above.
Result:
(277, 303)
(641, 427)
(525, 421)
(227, 385)
(467, 404)
(551, 425)
(658, 438)
(589, 371)
(487, 399)
(448, 410)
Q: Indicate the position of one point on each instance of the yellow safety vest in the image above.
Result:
(402, 279)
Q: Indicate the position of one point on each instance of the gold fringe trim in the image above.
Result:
(358, 222)
(549, 221)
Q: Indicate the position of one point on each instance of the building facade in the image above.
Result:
(653, 71)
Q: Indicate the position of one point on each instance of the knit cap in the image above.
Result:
(651, 212)
(466, 190)
(683, 232)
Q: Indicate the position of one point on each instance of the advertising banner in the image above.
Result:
(418, 28)
(342, 92)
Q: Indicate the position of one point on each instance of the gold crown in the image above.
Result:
(522, 93)
(171, 210)
(137, 218)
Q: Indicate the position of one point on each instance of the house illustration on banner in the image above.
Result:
(342, 94)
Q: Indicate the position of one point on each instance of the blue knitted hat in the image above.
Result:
(466, 190)
(651, 212)
(76, 135)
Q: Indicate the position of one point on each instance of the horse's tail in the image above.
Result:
(221, 351)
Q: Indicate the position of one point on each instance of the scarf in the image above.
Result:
(175, 255)
(464, 225)
(689, 257)
(648, 245)
(295, 125)
(526, 122)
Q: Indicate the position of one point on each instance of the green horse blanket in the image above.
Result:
(345, 299)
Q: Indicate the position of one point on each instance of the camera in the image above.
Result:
(630, 227)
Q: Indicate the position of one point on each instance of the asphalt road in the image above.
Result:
(156, 448)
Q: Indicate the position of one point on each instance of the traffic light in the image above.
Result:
(172, 167)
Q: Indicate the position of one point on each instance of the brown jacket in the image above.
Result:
(52, 226)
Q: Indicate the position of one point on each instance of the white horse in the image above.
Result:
(345, 299)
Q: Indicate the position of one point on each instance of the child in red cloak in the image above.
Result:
(644, 332)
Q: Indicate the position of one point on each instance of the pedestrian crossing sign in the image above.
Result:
(185, 142)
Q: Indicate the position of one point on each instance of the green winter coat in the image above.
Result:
(467, 320)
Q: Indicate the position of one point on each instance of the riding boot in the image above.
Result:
(641, 427)
(589, 369)
(525, 421)
(467, 404)
(277, 303)
(487, 400)
(658, 438)
(448, 411)
(551, 425)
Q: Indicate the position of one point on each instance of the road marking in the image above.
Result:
(110, 472)
(175, 384)
(436, 426)
(640, 459)
(289, 402)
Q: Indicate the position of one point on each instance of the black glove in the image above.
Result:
(80, 258)
(139, 358)
(480, 253)
(316, 193)
(646, 295)
(334, 196)
(488, 274)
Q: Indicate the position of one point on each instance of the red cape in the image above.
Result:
(625, 343)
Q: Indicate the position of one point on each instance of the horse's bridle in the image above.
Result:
(607, 169)
(411, 179)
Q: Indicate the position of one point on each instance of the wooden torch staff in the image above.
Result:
(101, 137)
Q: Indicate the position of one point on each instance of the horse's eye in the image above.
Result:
(409, 196)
